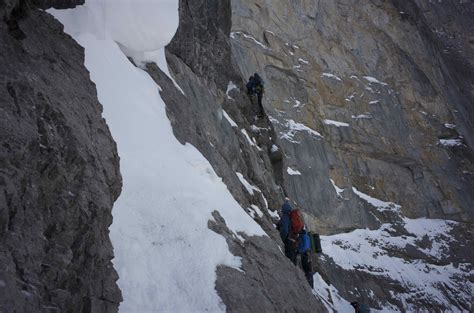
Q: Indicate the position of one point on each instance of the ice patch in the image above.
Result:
(264, 200)
(229, 119)
(336, 123)
(232, 35)
(273, 120)
(297, 103)
(329, 75)
(248, 186)
(362, 116)
(294, 128)
(339, 191)
(255, 211)
(379, 204)
(231, 86)
(451, 142)
(273, 214)
(450, 126)
(330, 296)
(292, 172)
(371, 79)
(246, 135)
(351, 97)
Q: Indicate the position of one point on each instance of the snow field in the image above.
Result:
(367, 251)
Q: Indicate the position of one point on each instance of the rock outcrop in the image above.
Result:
(59, 175)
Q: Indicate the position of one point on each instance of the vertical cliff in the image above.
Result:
(59, 174)
(382, 70)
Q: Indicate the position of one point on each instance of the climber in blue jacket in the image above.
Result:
(304, 242)
(285, 219)
(284, 227)
(304, 249)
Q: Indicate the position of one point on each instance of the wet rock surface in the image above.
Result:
(59, 176)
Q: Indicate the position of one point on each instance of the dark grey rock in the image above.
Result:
(59, 176)
(267, 281)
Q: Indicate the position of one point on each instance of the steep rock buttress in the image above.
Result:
(59, 174)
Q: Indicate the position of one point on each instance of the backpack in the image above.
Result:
(315, 243)
(364, 308)
(258, 80)
(304, 242)
(360, 307)
(297, 222)
(250, 87)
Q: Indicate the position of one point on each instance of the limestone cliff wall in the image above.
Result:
(59, 176)
(314, 56)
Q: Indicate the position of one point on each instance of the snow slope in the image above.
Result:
(165, 254)
(378, 252)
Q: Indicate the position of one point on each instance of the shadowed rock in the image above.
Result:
(59, 176)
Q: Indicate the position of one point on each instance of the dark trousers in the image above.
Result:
(307, 267)
(290, 251)
(260, 106)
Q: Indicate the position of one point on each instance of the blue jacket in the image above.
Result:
(304, 243)
(285, 220)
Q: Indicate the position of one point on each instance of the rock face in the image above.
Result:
(384, 71)
(364, 101)
(59, 176)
